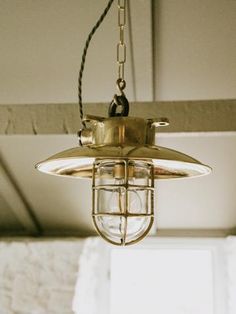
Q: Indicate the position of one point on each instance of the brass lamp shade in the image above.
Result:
(128, 138)
(117, 138)
(168, 164)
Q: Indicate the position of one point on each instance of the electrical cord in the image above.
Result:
(96, 26)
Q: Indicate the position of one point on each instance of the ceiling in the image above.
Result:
(177, 51)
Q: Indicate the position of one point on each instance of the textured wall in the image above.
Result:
(38, 277)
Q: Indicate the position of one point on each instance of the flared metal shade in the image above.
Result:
(168, 163)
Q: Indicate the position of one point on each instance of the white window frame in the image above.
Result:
(214, 245)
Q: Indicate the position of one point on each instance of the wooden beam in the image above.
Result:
(184, 116)
(16, 201)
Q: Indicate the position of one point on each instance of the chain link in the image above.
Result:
(121, 46)
(119, 106)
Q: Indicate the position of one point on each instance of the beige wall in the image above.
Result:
(196, 49)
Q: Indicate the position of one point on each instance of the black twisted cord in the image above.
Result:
(84, 57)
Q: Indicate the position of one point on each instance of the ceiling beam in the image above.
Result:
(16, 201)
(184, 116)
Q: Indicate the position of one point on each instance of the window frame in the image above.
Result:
(214, 245)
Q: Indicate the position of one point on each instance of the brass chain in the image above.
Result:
(121, 46)
(119, 107)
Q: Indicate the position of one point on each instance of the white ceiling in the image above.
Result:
(195, 49)
(41, 48)
(181, 50)
(193, 44)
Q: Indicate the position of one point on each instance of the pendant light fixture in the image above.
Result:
(120, 156)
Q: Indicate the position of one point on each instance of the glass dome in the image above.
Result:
(123, 200)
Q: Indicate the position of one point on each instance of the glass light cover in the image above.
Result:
(122, 199)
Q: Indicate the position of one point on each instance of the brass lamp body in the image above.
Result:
(120, 156)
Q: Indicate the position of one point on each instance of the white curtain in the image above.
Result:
(231, 273)
(92, 286)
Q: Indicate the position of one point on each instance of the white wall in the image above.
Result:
(38, 277)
